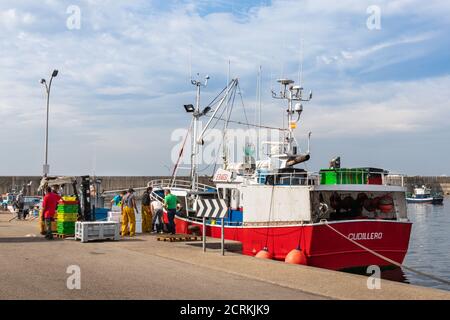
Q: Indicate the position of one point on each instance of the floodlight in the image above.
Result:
(206, 110)
(189, 108)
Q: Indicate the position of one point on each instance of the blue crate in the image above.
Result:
(101, 214)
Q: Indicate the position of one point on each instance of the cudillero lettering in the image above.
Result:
(366, 236)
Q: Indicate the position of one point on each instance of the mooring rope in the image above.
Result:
(447, 282)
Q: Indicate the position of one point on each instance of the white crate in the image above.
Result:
(116, 208)
(114, 216)
(96, 230)
(138, 226)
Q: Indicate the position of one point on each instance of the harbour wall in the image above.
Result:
(108, 182)
(437, 183)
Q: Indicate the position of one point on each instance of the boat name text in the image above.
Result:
(365, 236)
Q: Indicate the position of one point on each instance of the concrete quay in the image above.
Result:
(144, 268)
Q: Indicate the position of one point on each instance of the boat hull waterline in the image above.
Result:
(322, 246)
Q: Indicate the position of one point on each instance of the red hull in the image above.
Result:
(323, 247)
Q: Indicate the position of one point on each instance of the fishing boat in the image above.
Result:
(337, 218)
(423, 195)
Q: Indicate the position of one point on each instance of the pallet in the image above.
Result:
(63, 236)
(174, 238)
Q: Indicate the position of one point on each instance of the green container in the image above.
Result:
(361, 176)
(351, 176)
(328, 176)
(65, 227)
(343, 176)
(66, 231)
(67, 217)
(68, 208)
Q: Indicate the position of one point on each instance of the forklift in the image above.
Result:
(82, 193)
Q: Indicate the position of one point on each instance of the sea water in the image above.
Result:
(429, 246)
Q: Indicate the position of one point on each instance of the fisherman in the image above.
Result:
(20, 205)
(116, 201)
(146, 211)
(49, 205)
(128, 214)
(157, 212)
(170, 203)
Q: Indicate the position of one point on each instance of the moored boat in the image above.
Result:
(335, 217)
(423, 195)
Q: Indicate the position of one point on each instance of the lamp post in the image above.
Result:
(46, 167)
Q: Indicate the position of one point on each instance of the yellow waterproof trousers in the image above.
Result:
(128, 217)
(42, 228)
(146, 219)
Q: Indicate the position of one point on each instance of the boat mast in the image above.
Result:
(196, 114)
(258, 142)
(291, 92)
(227, 112)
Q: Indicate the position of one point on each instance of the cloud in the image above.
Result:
(11, 18)
(126, 72)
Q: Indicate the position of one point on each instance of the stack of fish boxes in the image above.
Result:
(115, 215)
(138, 216)
(67, 215)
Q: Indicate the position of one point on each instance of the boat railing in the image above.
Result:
(361, 176)
(163, 184)
(178, 183)
(286, 178)
(341, 177)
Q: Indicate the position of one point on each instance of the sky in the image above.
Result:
(379, 72)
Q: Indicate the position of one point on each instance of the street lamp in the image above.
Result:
(46, 167)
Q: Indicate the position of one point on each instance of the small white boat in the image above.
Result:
(423, 195)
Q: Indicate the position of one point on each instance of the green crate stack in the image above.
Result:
(67, 216)
(328, 176)
(343, 176)
(67, 208)
(65, 228)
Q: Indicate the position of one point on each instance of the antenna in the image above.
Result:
(300, 71)
(258, 94)
(291, 93)
(227, 112)
(309, 141)
(190, 61)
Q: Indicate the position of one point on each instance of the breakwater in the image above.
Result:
(437, 183)
(8, 183)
